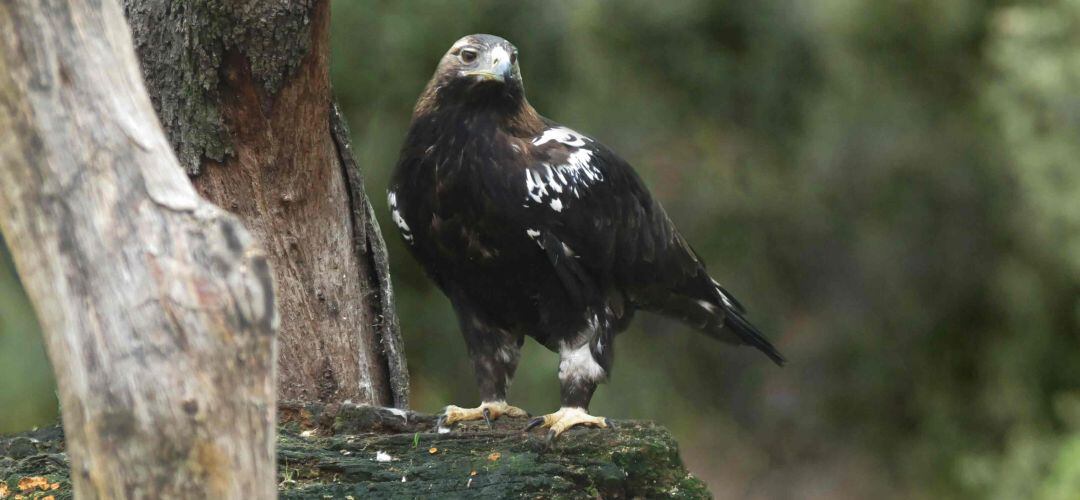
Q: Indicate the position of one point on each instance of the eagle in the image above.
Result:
(533, 229)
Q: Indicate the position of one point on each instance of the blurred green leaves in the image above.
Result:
(27, 390)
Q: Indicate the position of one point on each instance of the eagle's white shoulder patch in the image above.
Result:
(563, 135)
(399, 221)
(548, 185)
(534, 235)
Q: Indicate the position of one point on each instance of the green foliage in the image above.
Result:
(27, 388)
(890, 186)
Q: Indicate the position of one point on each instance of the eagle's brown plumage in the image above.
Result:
(533, 229)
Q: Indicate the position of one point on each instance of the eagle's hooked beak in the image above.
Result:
(496, 69)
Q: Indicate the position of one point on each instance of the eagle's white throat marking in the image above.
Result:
(406, 233)
(577, 363)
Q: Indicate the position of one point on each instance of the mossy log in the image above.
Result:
(350, 451)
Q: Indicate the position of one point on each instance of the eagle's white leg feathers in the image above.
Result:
(578, 364)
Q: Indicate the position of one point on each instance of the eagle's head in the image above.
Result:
(479, 60)
(479, 71)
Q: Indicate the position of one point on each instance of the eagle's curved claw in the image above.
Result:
(566, 418)
(550, 438)
(533, 423)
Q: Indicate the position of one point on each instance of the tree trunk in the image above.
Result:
(157, 308)
(243, 91)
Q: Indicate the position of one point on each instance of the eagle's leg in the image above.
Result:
(581, 369)
(495, 354)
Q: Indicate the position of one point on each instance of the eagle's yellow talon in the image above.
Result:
(566, 418)
(492, 409)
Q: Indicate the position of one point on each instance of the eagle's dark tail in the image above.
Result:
(724, 322)
(735, 327)
(736, 324)
(715, 313)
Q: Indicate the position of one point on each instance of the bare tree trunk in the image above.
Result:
(243, 91)
(157, 307)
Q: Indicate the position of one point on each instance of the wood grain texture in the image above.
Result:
(368, 242)
(157, 307)
(244, 91)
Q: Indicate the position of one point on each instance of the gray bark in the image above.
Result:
(243, 90)
(157, 307)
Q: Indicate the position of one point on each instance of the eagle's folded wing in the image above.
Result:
(596, 221)
(595, 218)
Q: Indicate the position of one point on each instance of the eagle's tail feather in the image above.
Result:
(719, 317)
(750, 335)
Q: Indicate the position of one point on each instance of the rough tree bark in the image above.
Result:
(157, 307)
(243, 90)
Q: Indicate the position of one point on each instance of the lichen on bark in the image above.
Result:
(183, 46)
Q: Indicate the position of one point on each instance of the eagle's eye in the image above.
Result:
(513, 57)
(468, 55)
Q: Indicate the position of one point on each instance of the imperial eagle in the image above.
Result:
(533, 229)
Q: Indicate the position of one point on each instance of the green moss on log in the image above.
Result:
(35, 454)
(365, 452)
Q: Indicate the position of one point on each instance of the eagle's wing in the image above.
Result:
(597, 222)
